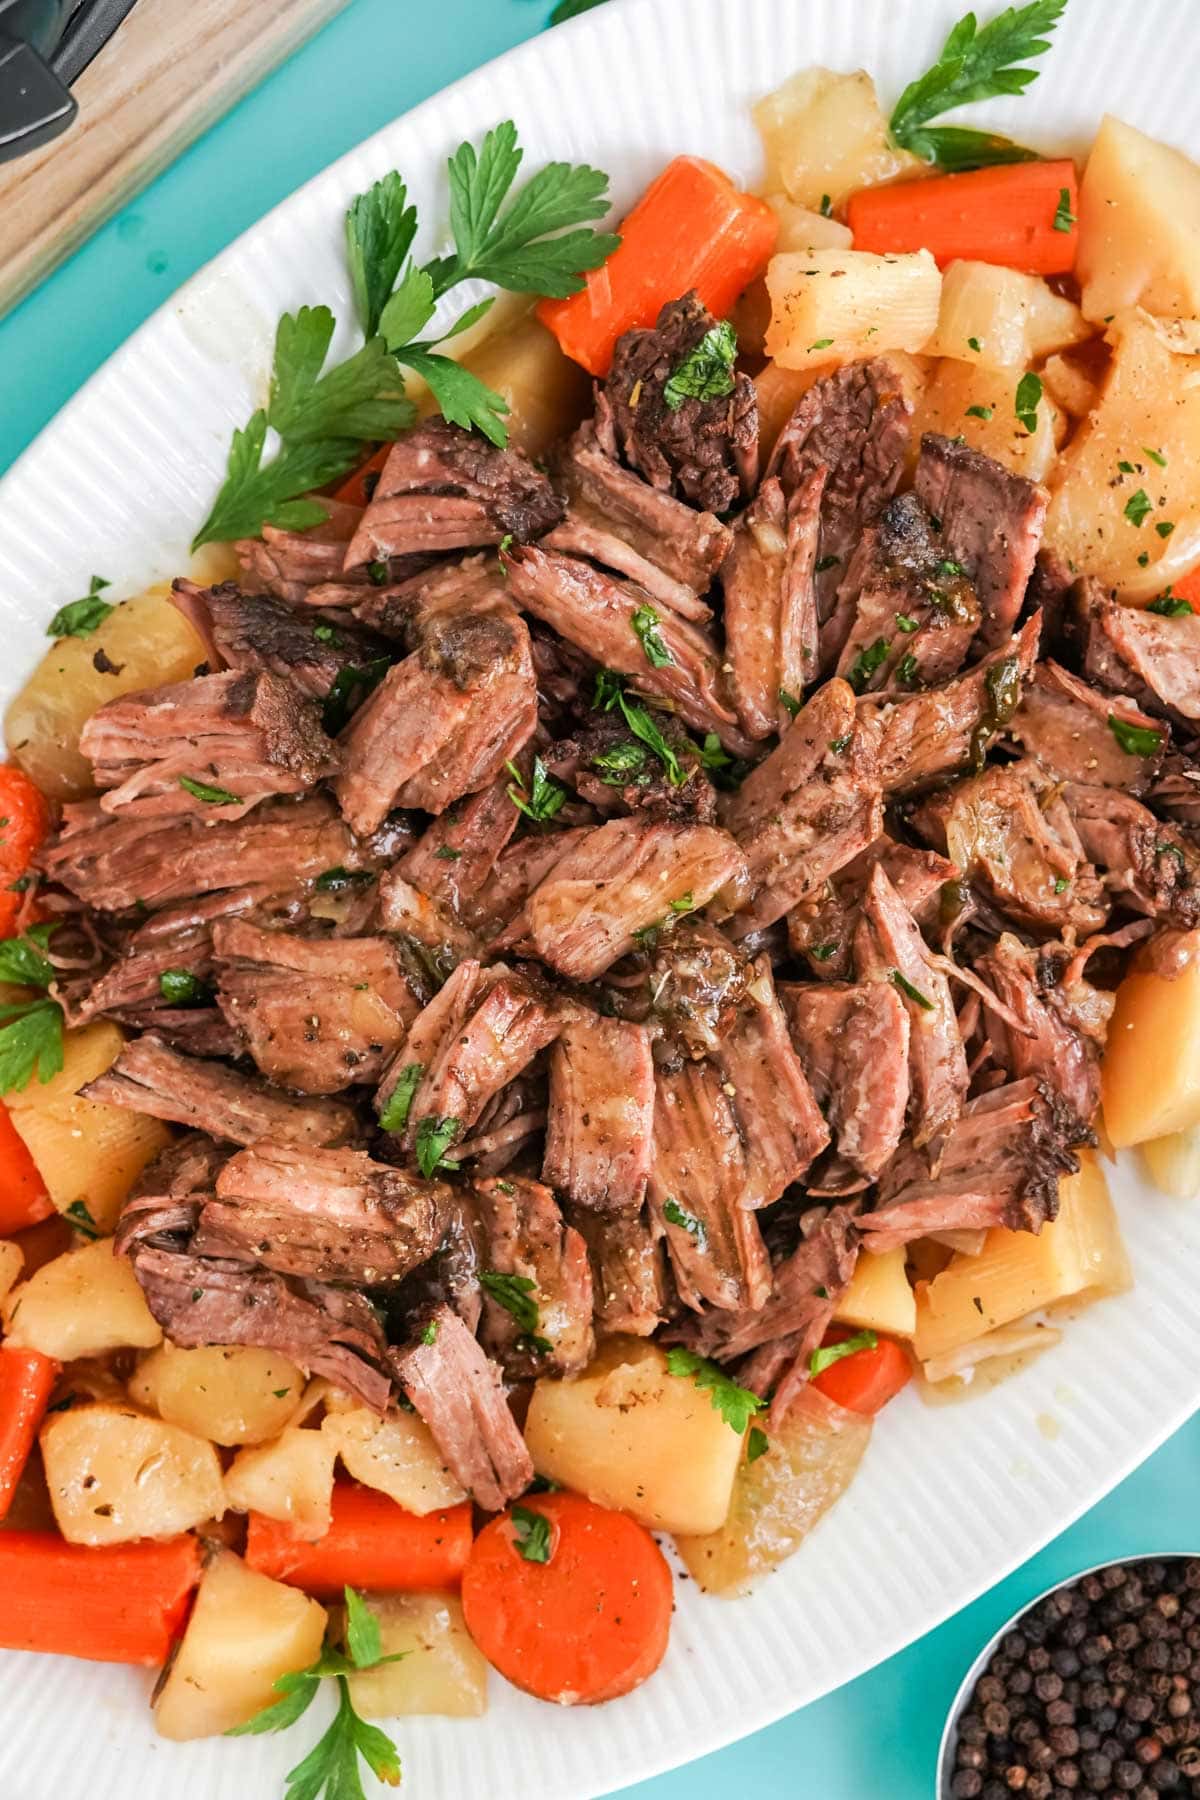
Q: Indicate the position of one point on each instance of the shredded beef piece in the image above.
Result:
(1000, 1165)
(601, 1117)
(915, 613)
(991, 524)
(457, 1390)
(520, 868)
(290, 563)
(822, 927)
(628, 1283)
(443, 488)
(163, 1203)
(454, 857)
(601, 613)
(698, 1184)
(610, 769)
(443, 722)
(888, 946)
(1161, 652)
(116, 863)
(780, 1123)
(526, 1237)
(1052, 1048)
(328, 1215)
(769, 582)
(149, 1078)
(925, 736)
(253, 632)
(251, 736)
(626, 878)
(1065, 725)
(326, 1331)
(1153, 863)
(317, 1014)
(853, 1042)
(476, 1035)
(809, 809)
(698, 984)
(432, 933)
(707, 450)
(856, 425)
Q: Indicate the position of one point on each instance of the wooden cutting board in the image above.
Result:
(170, 71)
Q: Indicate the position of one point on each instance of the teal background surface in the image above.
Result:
(876, 1739)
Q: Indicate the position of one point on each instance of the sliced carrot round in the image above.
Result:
(588, 1624)
(24, 822)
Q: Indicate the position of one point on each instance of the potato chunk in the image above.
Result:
(879, 1297)
(630, 1435)
(546, 392)
(86, 1153)
(1139, 226)
(84, 1303)
(150, 642)
(442, 1671)
(244, 1633)
(230, 1394)
(1000, 319)
(778, 1498)
(115, 1474)
(1150, 1076)
(1079, 1254)
(833, 305)
(290, 1478)
(980, 405)
(396, 1455)
(1110, 496)
(1173, 1163)
(824, 134)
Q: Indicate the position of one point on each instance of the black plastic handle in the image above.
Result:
(35, 106)
(90, 29)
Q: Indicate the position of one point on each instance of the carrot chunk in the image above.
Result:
(356, 490)
(123, 1603)
(866, 1380)
(589, 1623)
(24, 822)
(692, 228)
(26, 1380)
(372, 1543)
(23, 1197)
(1021, 215)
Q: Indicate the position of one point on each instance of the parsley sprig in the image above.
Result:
(394, 1116)
(975, 63)
(79, 618)
(331, 1766)
(517, 1294)
(543, 796)
(706, 372)
(736, 1405)
(31, 1031)
(535, 240)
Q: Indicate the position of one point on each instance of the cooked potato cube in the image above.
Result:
(630, 1435)
(397, 1455)
(84, 1303)
(1080, 1253)
(1173, 1163)
(778, 1498)
(825, 134)
(244, 1633)
(980, 405)
(11, 1262)
(832, 305)
(521, 361)
(87, 1153)
(801, 229)
(1008, 1341)
(442, 1671)
(1150, 1076)
(1139, 226)
(1069, 386)
(997, 318)
(115, 1474)
(1103, 518)
(879, 1297)
(230, 1394)
(290, 1478)
(146, 639)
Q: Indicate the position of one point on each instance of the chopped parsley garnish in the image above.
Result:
(866, 663)
(706, 372)
(1135, 740)
(331, 1766)
(822, 952)
(825, 562)
(907, 670)
(907, 624)
(914, 993)
(515, 1294)
(686, 1221)
(543, 797)
(821, 344)
(179, 987)
(610, 693)
(531, 1534)
(647, 628)
(975, 63)
(434, 1138)
(351, 685)
(757, 1444)
(325, 634)
(1165, 527)
(686, 903)
(1170, 606)
(211, 796)
(1064, 218)
(838, 744)
(831, 1353)
(334, 881)
(429, 1335)
(394, 1116)
(1156, 456)
(82, 1220)
(736, 1405)
(1028, 399)
(377, 573)
(826, 207)
(621, 764)
(973, 343)
(1137, 507)
(79, 618)
(979, 412)
(789, 703)
(1143, 559)
(1171, 850)
(444, 853)
(1061, 884)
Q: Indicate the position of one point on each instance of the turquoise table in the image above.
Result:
(877, 1739)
